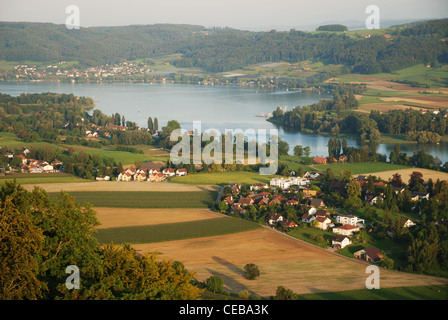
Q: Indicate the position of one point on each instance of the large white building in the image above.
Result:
(285, 183)
(351, 220)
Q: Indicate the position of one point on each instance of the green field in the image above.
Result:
(119, 156)
(434, 77)
(223, 178)
(399, 293)
(174, 231)
(306, 232)
(359, 168)
(143, 199)
(39, 178)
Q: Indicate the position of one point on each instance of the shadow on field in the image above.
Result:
(235, 269)
(230, 284)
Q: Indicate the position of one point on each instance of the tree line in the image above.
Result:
(223, 49)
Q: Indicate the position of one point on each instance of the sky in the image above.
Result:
(238, 14)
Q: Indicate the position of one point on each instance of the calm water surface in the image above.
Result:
(217, 107)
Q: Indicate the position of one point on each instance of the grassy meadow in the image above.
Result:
(39, 178)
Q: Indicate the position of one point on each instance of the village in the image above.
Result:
(293, 202)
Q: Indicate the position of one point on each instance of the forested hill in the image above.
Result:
(225, 49)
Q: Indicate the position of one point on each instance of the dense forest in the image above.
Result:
(223, 49)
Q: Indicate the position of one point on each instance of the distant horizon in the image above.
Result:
(351, 25)
(252, 15)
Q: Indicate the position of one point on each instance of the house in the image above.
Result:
(154, 170)
(307, 218)
(124, 176)
(371, 254)
(34, 169)
(292, 202)
(319, 160)
(340, 242)
(322, 213)
(350, 220)
(372, 198)
(258, 186)
(309, 192)
(409, 223)
(264, 194)
(262, 201)
(236, 208)
(346, 230)
(323, 222)
(309, 209)
(46, 167)
(24, 161)
(169, 172)
(102, 178)
(141, 176)
(289, 224)
(276, 201)
(229, 200)
(342, 158)
(274, 218)
(25, 151)
(312, 175)
(317, 203)
(181, 172)
(131, 171)
(156, 177)
(246, 202)
(415, 196)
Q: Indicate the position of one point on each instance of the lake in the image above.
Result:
(217, 107)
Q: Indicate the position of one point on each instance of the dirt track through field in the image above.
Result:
(283, 261)
(125, 217)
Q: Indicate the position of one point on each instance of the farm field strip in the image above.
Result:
(174, 231)
(360, 168)
(406, 173)
(125, 217)
(142, 199)
(115, 186)
(283, 261)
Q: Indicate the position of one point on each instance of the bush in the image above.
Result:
(251, 270)
(283, 293)
(215, 284)
(244, 294)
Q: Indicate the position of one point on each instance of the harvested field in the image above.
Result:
(435, 102)
(406, 173)
(283, 261)
(126, 217)
(120, 186)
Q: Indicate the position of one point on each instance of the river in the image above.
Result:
(217, 107)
